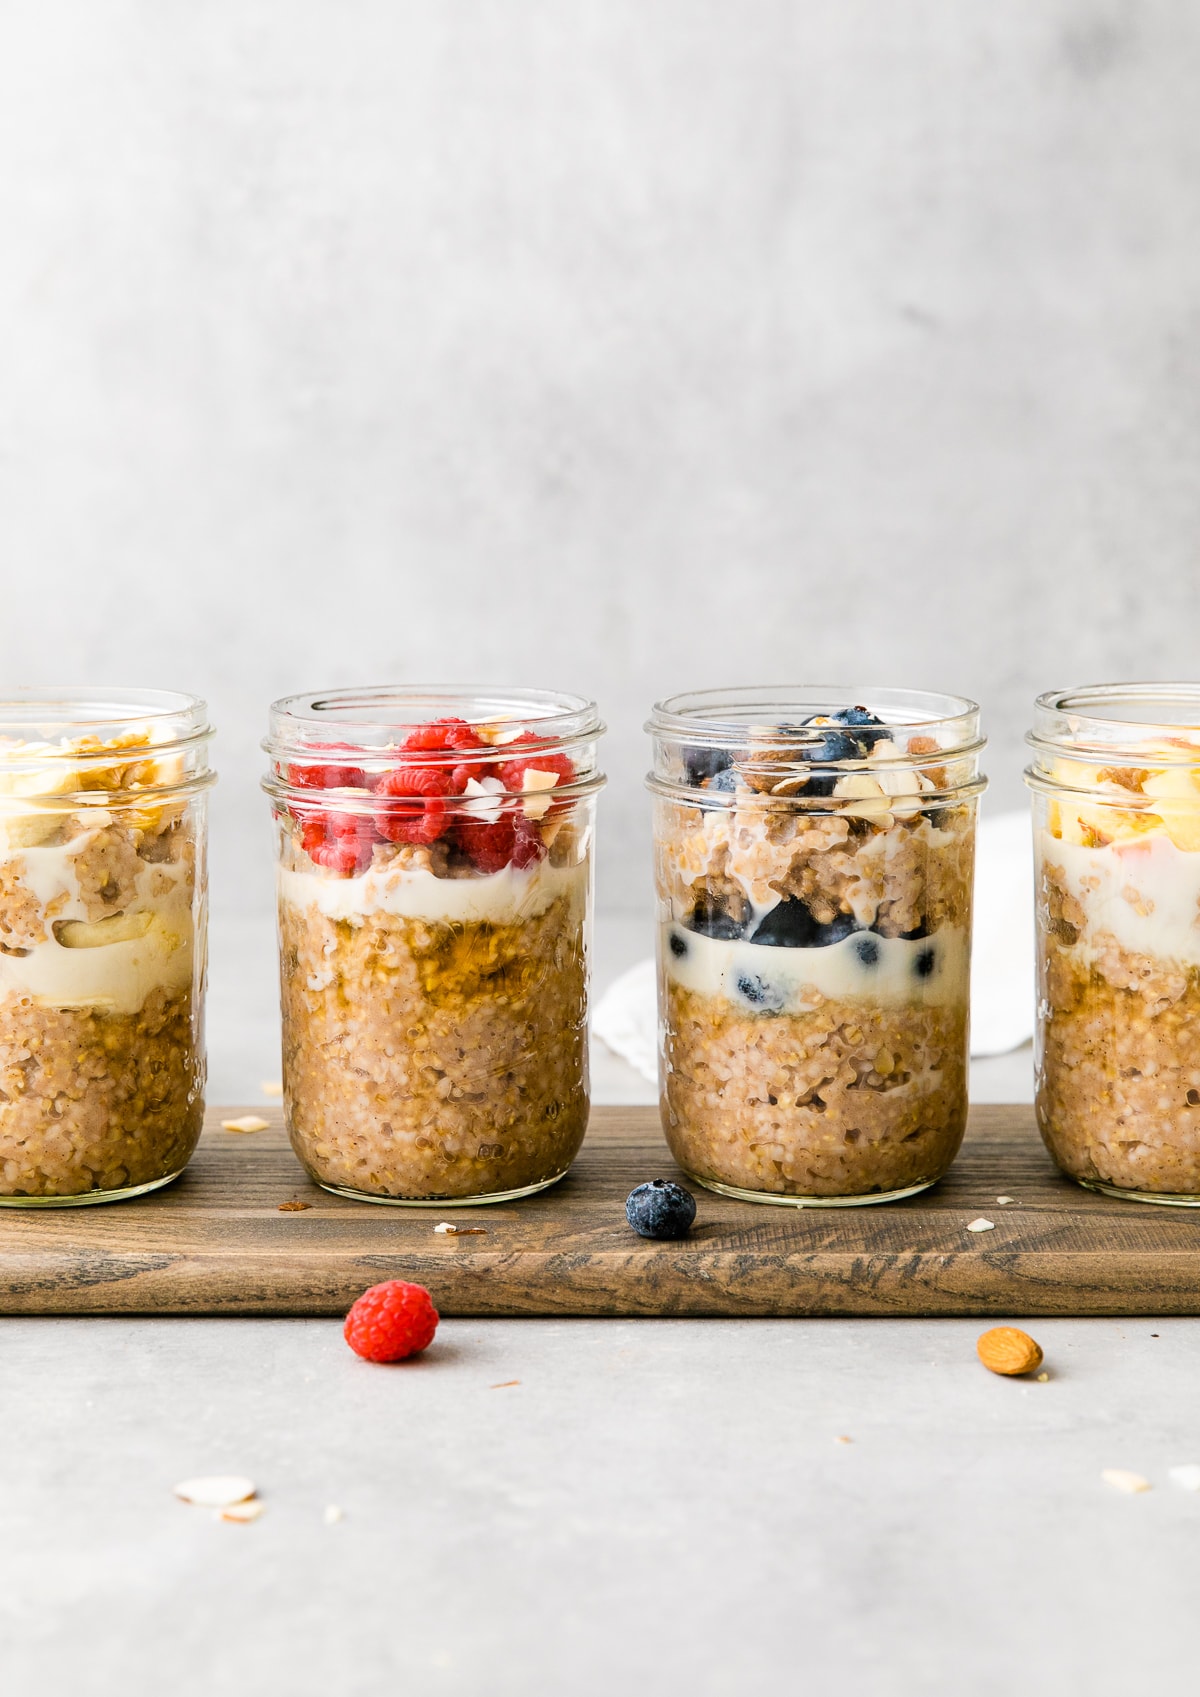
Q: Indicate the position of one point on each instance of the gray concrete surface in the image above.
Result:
(656, 1506)
(605, 345)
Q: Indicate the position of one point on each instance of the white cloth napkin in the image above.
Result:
(1002, 989)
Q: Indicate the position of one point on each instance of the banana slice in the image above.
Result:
(98, 934)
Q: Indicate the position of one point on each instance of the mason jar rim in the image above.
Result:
(721, 717)
(1081, 710)
(295, 719)
(729, 718)
(564, 723)
(64, 713)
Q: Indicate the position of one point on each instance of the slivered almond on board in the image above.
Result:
(248, 1122)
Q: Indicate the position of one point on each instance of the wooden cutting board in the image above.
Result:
(217, 1242)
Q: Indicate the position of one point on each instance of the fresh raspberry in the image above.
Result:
(490, 845)
(528, 846)
(391, 1321)
(426, 815)
(328, 777)
(343, 842)
(440, 735)
(513, 771)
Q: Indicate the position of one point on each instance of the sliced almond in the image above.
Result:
(865, 796)
(981, 1225)
(535, 784)
(217, 1490)
(1122, 1480)
(248, 1122)
(272, 1087)
(333, 1514)
(1009, 1351)
(242, 1511)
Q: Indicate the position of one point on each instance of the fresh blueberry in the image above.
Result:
(856, 716)
(757, 994)
(867, 950)
(726, 780)
(915, 935)
(829, 749)
(660, 1209)
(790, 925)
(677, 945)
(926, 963)
(702, 763)
(712, 917)
(869, 727)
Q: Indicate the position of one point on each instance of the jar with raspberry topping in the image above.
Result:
(434, 879)
(814, 864)
(103, 908)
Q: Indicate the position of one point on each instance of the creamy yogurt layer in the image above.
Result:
(1143, 890)
(111, 964)
(758, 978)
(507, 897)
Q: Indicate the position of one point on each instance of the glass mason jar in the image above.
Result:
(103, 908)
(434, 852)
(814, 866)
(1115, 776)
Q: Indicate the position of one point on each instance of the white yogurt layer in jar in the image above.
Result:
(111, 963)
(507, 897)
(757, 978)
(1142, 890)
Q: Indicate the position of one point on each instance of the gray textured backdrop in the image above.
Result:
(624, 347)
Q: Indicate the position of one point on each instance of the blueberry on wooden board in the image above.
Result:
(660, 1209)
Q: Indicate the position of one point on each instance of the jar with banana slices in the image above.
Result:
(102, 942)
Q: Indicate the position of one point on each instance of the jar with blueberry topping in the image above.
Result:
(814, 855)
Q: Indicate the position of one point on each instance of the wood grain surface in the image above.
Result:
(217, 1242)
